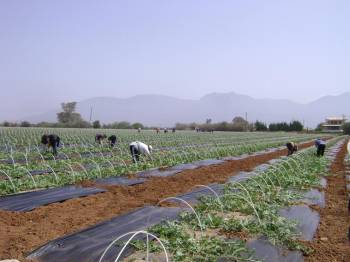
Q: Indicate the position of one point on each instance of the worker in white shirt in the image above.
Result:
(138, 148)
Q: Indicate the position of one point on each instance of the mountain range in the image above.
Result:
(160, 110)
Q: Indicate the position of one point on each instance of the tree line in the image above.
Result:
(68, 117)
(239, 124)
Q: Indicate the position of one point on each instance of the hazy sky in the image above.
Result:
(72, 50)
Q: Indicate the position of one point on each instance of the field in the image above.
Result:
(244, 215)
(25, 165)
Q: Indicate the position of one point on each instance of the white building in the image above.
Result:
(333, 124)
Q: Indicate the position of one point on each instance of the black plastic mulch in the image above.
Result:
(88, 245)
(30, 200)
(265, 251)
(120, 181)
(307, 220)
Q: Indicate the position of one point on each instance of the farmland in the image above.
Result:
(24, 165)
(247, 205)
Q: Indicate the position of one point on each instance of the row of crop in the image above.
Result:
(220, 224)
(22, 138)
(18, 177)
(120, 156)
(26, 156)
(29, 139)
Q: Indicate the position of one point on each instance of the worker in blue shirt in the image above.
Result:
(320, 146)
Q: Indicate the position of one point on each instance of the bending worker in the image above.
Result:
(99, 138)
(138, 148)
(51, 141)
(292, 148)
(321, 146)
(112, 140)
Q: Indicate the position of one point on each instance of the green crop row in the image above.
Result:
(246, 210)
(16, 176)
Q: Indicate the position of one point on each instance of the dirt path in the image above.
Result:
(20, 233)
(331, 241)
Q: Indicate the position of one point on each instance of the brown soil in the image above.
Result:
(331, 242)
(20, 233)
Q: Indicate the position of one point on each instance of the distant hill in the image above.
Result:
(159, 110)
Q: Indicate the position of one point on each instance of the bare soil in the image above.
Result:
(21, 233)
(331, 241)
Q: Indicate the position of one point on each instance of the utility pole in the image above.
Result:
(90, 114)
(246, 119)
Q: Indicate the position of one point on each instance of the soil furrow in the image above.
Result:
(331, 241)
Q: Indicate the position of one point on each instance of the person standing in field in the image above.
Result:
(51, 141)
(112, 140)
(320, 146)
(99, 138)
(138, 148)
(292, 148)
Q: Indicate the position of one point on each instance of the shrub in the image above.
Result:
(346, 128)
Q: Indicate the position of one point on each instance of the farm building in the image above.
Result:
(333, 124)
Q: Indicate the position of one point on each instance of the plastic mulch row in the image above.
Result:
(88, 245)
(30, 200)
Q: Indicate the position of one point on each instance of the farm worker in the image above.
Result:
(99, 138)
(174, 130)
(158, 130)
(112, 140)
(51, 141)
(139, 130)
(165, 130)
(292, 147)
(321, 146)
(138, 148)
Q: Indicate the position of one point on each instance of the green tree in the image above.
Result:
(272, 127)
(69, 118)
(282, 126)
(25, 124)
(260, 126)
(123, 125)
(67, 115)
(346, 128)
(319, 127)
(239, 124)
(296, 126)
(239, 120)
(137, 125)
(96, 124)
